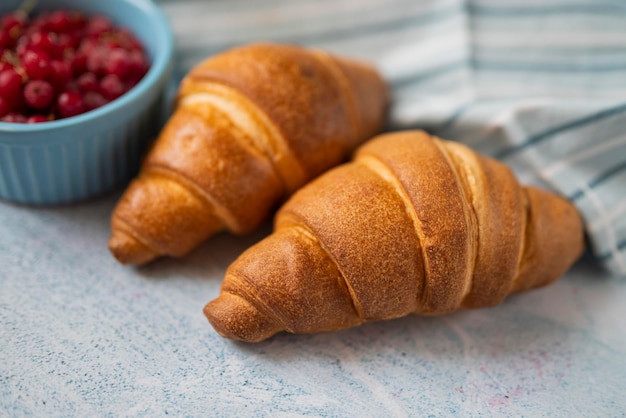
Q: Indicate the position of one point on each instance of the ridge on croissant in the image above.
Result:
(250, 126)
(413, 225)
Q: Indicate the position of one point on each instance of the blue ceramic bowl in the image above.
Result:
(84, 156)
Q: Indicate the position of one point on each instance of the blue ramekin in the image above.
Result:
(84, 156)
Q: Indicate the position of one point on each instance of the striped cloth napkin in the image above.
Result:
(538, 84)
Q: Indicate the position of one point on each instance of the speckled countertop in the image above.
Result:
(84, 336)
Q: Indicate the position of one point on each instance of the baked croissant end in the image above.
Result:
(250, 126)
(413, 224)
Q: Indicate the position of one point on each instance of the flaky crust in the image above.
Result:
(250, 127)
(413, 225)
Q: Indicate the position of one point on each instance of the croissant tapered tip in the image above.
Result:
(128, 250)
(234, 317)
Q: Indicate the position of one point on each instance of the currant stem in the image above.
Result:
(27, 6)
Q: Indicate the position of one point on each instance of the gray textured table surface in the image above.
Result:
(82, 336)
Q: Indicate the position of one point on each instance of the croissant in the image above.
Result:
(413, 224)
(250, 126)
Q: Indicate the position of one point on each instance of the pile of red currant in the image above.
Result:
(63, 63)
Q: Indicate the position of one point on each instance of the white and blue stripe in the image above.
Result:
(539, 84)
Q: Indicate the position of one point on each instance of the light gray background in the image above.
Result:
(84, 336)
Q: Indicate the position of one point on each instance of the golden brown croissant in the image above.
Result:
(413, 225)
(250, 126)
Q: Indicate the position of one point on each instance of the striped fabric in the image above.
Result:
(539, 84)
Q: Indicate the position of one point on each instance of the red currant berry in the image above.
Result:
(78, 19)
(44, 41)
(66, 44)
(38, 94)
(98, 25)
(87, 45)
(37, 119)
(5, 66)
(36, 64)
(60, 21)
(70, 104)
(94, 100)
(60, 74)
(14, 19)
(5, 106)
(12, 29)
(88, 82)
(111, 87)
(6, 40)
(138, 64)
(22, 48)
(14, 118)
(118, 64)
(96, 61)
(79, 63)
(10, 85)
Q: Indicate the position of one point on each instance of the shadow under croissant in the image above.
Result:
(493, 332)
(208, 261)
(524, 321)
